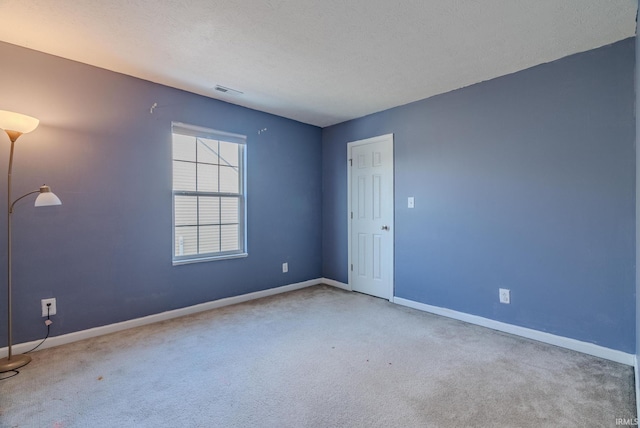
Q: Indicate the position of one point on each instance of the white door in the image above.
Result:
(371, 216)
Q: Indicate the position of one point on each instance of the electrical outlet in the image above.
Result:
(51, 310)
(411, 202)
(285, 267)
(505, 295)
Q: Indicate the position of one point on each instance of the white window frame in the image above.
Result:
(201, 132)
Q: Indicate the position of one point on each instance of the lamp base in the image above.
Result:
(15, 362)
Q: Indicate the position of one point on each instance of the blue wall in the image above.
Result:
(525, 182)
(105, 254)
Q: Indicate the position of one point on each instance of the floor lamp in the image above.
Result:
(15, 124)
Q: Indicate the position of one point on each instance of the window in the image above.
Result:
(208, 194)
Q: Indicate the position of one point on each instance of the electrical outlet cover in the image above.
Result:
(505, 295)
(51, 310)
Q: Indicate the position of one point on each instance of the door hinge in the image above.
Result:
(352, 267)
(350, 162)
(351, 215)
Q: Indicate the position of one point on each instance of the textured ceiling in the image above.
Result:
(316, 61)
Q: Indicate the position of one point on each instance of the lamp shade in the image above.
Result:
(47, 197)
(21, 123)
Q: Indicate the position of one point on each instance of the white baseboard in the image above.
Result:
(112, 328)
(564, 342)
(336, 284)
(552, 339)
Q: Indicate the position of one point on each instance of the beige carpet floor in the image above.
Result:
(317, 357)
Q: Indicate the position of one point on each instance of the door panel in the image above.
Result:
(371, 219)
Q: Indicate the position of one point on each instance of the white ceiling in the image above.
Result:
(316, 61)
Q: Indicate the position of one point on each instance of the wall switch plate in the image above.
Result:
(51, 310)
(285, 267)
(410, 202)
(505, 295)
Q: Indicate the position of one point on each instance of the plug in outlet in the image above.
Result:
(285, 267)
(51, 310)
(505, 295)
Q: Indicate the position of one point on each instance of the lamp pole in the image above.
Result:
(9, 305)
(12, 362)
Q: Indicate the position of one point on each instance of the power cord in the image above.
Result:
(48, 323)
(15, 373)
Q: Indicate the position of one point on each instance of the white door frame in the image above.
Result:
(351, 144)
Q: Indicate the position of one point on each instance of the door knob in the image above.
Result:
(385, 227)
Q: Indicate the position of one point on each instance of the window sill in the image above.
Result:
(209, 259)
